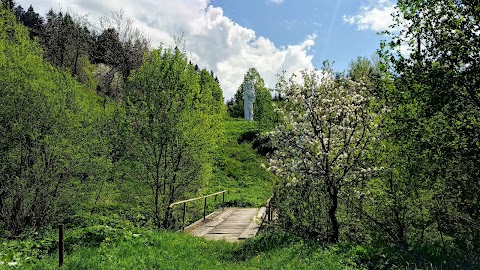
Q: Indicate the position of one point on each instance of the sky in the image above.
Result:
(231, 36)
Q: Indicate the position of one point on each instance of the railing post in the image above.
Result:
(61, 245)
(183, 217)
(204, 208)
(269, 211)
(223, 197)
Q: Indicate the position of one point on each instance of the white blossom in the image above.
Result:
(326, 126)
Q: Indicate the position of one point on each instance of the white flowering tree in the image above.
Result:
(328, 124)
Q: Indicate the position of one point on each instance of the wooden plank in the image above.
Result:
(254, 225)
(227, 231)
(213, 224)
(211, 221)
(219, 237)
(231, 224)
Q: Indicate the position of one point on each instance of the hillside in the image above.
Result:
(238, 167)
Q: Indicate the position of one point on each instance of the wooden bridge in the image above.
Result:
(227, 223)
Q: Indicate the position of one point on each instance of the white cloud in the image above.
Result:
(213, 40)
(376, 16)
(276, 1)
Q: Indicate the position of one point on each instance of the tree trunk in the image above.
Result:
(75, 62)
(332, 213)
(168, 217)
(157, 216)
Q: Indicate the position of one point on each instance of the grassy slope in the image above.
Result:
(238, 168)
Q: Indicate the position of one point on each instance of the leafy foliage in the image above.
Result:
(49, 136)
(434, 121)
(174, 123)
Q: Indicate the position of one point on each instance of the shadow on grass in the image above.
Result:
(260, 244)
(237, 203)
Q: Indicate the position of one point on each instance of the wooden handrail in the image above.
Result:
(184, 202)
(194, 199)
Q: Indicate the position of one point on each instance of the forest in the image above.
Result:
(375, 167)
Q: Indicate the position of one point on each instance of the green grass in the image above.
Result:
(168, 250)
(238, 168)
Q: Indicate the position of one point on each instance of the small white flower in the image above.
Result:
(11, 264)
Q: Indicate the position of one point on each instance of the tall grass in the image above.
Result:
(168, 250)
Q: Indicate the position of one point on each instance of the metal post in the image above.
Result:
(183, 218)
(204, 208)
(223, 197)
(61, 245)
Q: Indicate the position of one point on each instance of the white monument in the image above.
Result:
(248, 100)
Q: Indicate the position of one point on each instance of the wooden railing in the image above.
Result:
(184, 202)
(269, 209)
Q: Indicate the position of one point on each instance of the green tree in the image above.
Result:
(119, 49)
(211, 95)
(49, 139)
(363, 69)
(65, 39)
(8, 4)
(235, 104)
(435, 106)
(174, 127)
(30, 19)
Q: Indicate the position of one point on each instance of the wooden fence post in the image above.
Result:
(204, 208)
(269, 212)
(61, 245)
(183, 217)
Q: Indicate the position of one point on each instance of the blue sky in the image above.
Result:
(231, 36)
(292, 21)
